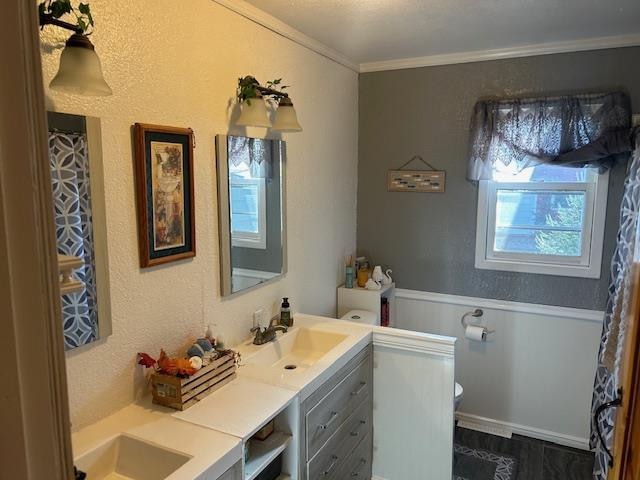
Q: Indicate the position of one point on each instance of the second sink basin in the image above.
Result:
(299, 348)
(128, 458)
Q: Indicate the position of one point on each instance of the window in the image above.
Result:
(545, 219)
(248, 212)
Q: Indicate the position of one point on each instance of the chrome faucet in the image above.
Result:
(267, 334)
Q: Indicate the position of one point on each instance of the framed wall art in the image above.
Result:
(164, 191)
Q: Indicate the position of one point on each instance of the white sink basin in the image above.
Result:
(127, 458)
(297, 349)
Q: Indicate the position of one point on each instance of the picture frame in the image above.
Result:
(164, 193)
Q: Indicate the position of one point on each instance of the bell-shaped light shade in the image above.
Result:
(254, 113)
(286, 119)
(80, 71)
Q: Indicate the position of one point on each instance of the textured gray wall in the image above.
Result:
(429, 239)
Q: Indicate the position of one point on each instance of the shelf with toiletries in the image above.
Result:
(380, 302)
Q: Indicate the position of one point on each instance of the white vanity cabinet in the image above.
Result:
(387, 414)
(336, 424)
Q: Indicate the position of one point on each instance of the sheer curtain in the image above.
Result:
(254, 152)
(70, 179)
(531, 131)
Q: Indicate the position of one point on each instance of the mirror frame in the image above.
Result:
(224, 221)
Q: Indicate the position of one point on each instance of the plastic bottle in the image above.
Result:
(285, 313)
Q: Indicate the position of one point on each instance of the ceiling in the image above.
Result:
(368, 31)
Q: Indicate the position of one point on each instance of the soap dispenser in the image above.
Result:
(285, 313)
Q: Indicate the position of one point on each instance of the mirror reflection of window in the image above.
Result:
(251, 176)
(248, 208)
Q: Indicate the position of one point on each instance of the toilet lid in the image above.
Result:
(458, 390)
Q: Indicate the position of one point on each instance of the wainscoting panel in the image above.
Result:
(533, 376)
(413, 384)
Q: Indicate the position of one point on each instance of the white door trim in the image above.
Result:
(34, 414)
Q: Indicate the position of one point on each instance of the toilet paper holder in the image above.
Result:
(478, 312)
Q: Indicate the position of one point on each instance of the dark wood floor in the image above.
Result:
(537, 460)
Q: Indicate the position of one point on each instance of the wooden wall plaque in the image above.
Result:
(430, 181)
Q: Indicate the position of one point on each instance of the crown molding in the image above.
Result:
(270, 22)
(247, 10)
(597, 43)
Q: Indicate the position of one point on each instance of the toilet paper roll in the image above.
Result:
(475, 332)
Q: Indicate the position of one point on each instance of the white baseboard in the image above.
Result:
(538, 433)
(485, 428)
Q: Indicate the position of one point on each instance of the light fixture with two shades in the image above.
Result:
(254, 111)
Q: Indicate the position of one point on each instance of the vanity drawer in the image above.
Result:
(325, 418)
(358, 465)
(329, 460)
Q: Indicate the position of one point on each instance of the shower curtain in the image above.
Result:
(618, 302)
(71, 187)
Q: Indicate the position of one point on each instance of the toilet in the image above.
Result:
(361, 316)
(457, 396)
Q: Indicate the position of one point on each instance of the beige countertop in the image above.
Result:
(212, 453)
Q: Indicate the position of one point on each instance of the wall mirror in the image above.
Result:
(251, 212)
(75, 157)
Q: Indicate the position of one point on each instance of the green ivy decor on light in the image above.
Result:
(58, 8)
(249, 87)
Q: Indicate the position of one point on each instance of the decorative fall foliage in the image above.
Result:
(146, 360)
(179, 367)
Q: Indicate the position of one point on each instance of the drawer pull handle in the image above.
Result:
(324, 426)
(363, 461)
(355, 434)
(334, 460)
(357, 392)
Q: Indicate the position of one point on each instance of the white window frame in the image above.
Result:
(250, 239)
(588, 265)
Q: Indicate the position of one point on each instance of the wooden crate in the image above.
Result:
(181, 393)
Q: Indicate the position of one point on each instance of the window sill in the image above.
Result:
(539, 268)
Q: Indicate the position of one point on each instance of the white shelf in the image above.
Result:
(262, 453)
(380, 292)
(358, 298)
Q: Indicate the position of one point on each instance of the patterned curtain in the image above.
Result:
(618, 302)
(74, 232)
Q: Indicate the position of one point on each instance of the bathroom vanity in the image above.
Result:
(347, 401)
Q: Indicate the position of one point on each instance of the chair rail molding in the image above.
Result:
(520, 307)
(417, 342)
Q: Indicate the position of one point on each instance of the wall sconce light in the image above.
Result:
(254, 112)
(80, 71)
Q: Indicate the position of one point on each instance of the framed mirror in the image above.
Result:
(75, 158)
(251, 211)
